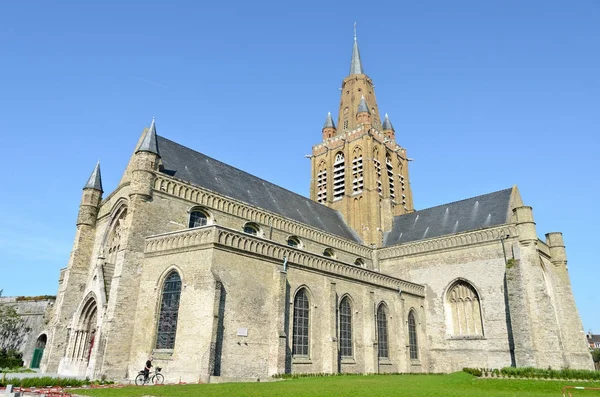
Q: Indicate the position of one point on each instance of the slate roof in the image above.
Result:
(474, 213)
(201, 170)
(95, 180)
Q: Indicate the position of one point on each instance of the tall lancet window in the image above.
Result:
(169, 310)
(464, 310)
(345, 328)
(390, 173)
(300, 332)
(382, 332)
(357, 171)
(322, 184)
(339, 177)
(412, 336)
(377, 166)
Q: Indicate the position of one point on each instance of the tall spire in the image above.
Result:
(355, 63)
(387, 124)
(149, 142)
(329, 121)
(95, 180)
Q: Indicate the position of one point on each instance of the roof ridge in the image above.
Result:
(458, 201)
(257, 177)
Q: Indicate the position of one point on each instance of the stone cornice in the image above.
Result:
(219, 236)
(204, 197)
(447, 242)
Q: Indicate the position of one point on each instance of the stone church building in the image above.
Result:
(221, 275)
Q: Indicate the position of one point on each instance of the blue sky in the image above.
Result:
(483, 95)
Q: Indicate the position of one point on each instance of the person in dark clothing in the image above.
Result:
(147, 368)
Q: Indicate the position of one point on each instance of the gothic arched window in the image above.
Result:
(412, 336)
(300, 342)
(464, 310)
(382, 332)
(390, 173)
(357, 171)
(198, 218)
(169, 310)
(345, 328)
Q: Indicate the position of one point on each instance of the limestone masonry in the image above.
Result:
(221, 275)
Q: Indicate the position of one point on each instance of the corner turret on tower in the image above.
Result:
(388, 128)
(329, 129)
(90, 199)
(363, 114)
(145, 162)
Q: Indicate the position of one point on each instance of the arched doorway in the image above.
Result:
(38, 352)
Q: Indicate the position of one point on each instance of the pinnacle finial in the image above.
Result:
(355, 63)
(362, 106)
(95, 180)
(387, 124)
(149, 142)
(329, 121)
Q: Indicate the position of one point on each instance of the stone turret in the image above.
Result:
(363, 114)
(558, 253)
(388, 128)
(90, 199)
(329, 129)
(525, 224)
(74, 277)
(145, 163)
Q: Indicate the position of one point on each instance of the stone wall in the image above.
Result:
(35, 315)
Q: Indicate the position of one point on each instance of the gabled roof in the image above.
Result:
(198, 169)
(479, 212)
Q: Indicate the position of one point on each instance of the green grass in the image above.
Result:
(456, 384)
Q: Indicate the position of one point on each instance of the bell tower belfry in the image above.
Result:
(358, 168)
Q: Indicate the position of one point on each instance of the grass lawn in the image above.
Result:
(456, 384)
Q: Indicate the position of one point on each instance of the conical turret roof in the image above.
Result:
(362, 106)
(329, 121)
(95, 180)
(149, 142)
(387, 124)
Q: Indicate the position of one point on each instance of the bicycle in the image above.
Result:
(155, 377)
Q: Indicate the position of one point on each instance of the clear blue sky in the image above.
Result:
(483, 94)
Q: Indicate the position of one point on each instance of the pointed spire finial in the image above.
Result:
(387, 124)
(95, 180)
(355, 63)
(362, 106)
(149, 142)
(329, 121)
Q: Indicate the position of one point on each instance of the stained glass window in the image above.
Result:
(169, 309)
(301, 322)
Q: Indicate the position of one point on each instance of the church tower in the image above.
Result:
(359, 169)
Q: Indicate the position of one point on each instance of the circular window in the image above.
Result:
(329, 253)
(359, 262)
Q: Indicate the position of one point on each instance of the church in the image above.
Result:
(220, 275)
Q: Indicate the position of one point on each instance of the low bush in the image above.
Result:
(10, 358)
(49, 381)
